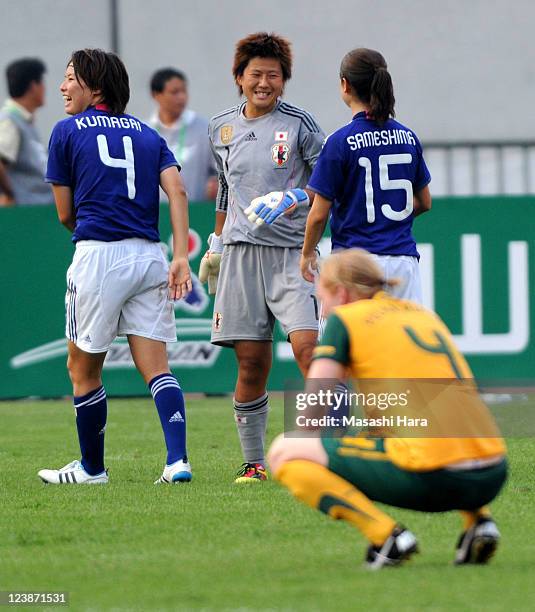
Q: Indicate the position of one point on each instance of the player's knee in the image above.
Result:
(303, 354)
(252, 369)
(72, 369)
(82, 373)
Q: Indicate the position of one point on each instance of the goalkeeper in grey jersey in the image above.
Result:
(261, 145)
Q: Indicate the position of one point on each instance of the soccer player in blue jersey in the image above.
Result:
(370, 179)
(106, 168)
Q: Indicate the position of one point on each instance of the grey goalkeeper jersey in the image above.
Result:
(275, 152)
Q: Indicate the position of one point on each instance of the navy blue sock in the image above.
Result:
(169, 401)
(91, 412)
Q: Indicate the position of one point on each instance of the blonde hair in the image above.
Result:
(355, 269)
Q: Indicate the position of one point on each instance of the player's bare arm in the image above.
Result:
(311, 196)
(316, 222)
(64, 206)
(325, 368)
(422, 201)
(322, 377)
(220, 218)
(179, 272)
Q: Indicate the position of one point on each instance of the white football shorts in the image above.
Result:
(402, 267)
(406, 269)
(116, 289)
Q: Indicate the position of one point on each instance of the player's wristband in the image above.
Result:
(215, 243)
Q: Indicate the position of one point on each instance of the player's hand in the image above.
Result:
(211, 262)
(268, 208)
(309, 266)
(179, 278)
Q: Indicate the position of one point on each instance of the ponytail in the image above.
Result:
(366, 72)
(382, 96)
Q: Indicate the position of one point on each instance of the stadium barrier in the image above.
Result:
(477, 268)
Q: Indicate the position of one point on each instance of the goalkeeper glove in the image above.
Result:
(268, 208)
(210, 263)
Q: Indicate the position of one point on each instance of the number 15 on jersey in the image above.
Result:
(386, 184)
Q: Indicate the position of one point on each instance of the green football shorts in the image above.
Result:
(437, 491)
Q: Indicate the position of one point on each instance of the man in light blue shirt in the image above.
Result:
(185, 132)
(22, 155)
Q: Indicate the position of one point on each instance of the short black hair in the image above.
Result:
(104, 71)
(262, 44)
(21, 73)
(160, 78)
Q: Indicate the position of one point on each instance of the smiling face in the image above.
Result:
(262, 83)
(76, 95)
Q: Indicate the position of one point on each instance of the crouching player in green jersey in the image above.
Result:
(457, 464)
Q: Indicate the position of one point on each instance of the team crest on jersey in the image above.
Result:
(280, 153)
(226, 134)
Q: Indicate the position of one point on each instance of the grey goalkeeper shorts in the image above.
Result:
(258, 285)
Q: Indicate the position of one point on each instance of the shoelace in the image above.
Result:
(246, 468)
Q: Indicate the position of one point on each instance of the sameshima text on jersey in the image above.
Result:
(89, 121)
(378, 138)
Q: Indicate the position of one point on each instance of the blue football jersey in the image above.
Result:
(370, 174)
(112, 163)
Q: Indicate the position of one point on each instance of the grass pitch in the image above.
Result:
(212, 545)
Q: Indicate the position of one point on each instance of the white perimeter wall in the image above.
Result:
(462, 69)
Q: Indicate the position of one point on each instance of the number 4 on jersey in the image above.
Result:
(118, 162)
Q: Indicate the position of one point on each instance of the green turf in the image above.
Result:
(213, 545)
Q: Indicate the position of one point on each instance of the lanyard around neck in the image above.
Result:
(13, 109)
(180, 145)
(181, 142)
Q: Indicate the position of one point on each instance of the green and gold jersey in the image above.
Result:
(385, 337)
(388, 338)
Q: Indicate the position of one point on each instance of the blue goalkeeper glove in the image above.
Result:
(268, 208)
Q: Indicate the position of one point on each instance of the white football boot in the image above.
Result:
(179, 471)
(400, 545)
(479, 543)
(72, 473)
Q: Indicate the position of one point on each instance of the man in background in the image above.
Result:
(185, 132)
(22, 155)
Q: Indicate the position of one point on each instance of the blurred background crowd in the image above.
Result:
(463, 75)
